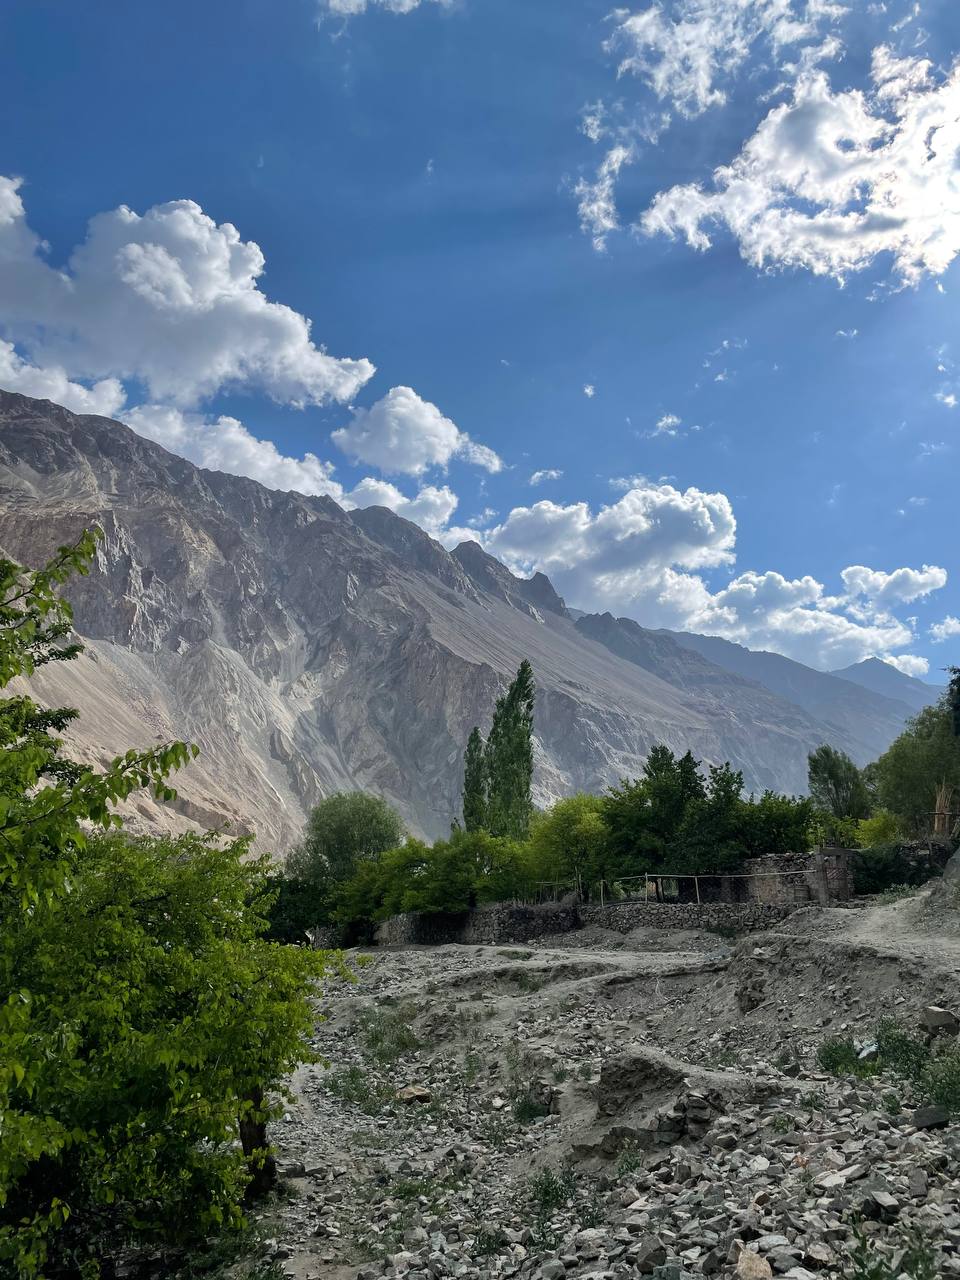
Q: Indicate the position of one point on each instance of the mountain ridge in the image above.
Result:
(307, 648)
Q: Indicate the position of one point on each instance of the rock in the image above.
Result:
(750, 1266)
(931, 1117)
(649, 1254)
(939, 1021)
(414, 1093)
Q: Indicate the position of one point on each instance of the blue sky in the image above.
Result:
(476, 261)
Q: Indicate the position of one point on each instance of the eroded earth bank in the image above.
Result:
(648, 1104)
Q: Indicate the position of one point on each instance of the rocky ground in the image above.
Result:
(611, 1106)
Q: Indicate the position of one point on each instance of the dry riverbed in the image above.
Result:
(604, 1106)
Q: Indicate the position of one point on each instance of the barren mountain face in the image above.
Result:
(306, 649)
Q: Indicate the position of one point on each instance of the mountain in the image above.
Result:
(307, 649)
(881, 678)
(857, 719)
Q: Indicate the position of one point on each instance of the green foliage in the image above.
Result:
(710, 837)
(164, 1016)
(917, 1260)
(296, 907)
(509, 759)
(451, 876)
(142, 1015)
(568, 841)
(387, 1034)
(475, 783)
(838, 1055)
(920, 771)
(836, 784)
(886, 867)
(354, 1084)
(881, 828)
(941, 1081)
(343, 831)
(672, 820)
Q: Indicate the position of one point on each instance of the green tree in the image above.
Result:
(475, 783)
(105, 1001)
(775, 824)
(509, 758)
(710, 838)
(836, 784)
(919, 774)
(343, 830)
(568, 841)
(166, 1020)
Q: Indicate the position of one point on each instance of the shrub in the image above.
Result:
(838, 1055)
(297, 906)
(899, 1051)
(941, 1081)
(143, 1017)
(386, 1034)
(168, 1019)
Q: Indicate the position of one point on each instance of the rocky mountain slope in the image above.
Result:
(881, 678)
(306, 649)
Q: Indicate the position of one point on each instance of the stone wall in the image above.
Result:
(504, 923)
(624, 916)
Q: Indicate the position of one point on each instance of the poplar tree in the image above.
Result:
(475, 783)
(509, 759)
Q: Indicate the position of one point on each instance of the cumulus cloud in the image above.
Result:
(403, 434)
(168, 297)
(225, 444)
(948, 629)
(615, 553)
(646, 556)
(829, 181)
(105, 397)
(686, 56)
(549, 473)
(885, 590)
(911, 664)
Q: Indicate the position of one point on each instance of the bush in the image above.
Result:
(838, 1055)
(143, 1017)
(891, 866)
(296, 907)
(166, 1018)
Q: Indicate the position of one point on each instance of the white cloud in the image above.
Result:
(667, 425)
(911, 664)
(948, 629)
(549, 473)
(947, 398)
(847, 333)
(589, 390)
(596, 201)
(885, 590)
(347, 8)
(686, 56)
(168, 297)
(224, 444)
(829, 181)
(404, 434)
(644, 556)
(616, 553)
(105, 397)
(432, 508)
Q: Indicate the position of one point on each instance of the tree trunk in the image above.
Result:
(253, 1140)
